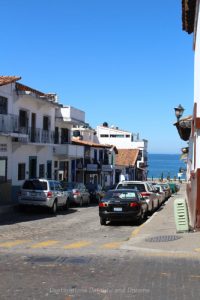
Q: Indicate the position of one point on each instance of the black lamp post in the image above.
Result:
(179, 111)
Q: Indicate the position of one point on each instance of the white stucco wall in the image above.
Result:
(71, 113)
(197, 86)
(22, 154)
(124, 142)
(39, 107)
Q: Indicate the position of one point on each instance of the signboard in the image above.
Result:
(106, 168)
(91, 167)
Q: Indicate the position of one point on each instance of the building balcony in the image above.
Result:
(38, 135)
(9, 123)
(69, 151)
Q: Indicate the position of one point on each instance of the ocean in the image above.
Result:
(165, 165)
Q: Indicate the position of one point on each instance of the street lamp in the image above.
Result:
(179, 111)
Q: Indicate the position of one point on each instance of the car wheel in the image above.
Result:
(152, 209)
(142, 217)
(54, 208)
(102, 221)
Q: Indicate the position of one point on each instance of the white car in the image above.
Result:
(43, 192)
(145, 190)
(161, 192)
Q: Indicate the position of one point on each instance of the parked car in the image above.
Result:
(43, 192)
(78, 191)
(167, 189)
(161, 192)
(96, 192)
(145, 191)
(122, 204)
(109, 187)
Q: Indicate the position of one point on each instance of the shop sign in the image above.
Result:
(92, 167)
(106, 168)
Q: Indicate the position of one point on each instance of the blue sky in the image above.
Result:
(126, 62)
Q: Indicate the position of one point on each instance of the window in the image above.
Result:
(56, 137)
(95, 155)
(55, 164)
(117, 135)
(3, 147)
(100, 155)
(87, 152)
(64, 135)
(46, 123)
(3, 105)
(3, 169)
(21, 171)
(41, 170)
(104, 135)
(23, 118)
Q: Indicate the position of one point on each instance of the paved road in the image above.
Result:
(98, 277)
(79, 228)
(71, 256)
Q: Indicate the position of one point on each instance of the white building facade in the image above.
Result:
(191, 24)
(38, 138)
(125, 140)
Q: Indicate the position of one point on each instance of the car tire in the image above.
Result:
(141, 218)
(102, 221)
(54, 208)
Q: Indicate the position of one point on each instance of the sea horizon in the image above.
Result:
(162, 165)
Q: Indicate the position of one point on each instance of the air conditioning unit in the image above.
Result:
(181, 215)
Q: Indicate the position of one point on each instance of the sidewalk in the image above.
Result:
(158, 236)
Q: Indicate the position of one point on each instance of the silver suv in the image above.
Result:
(144, 189)
(43, 192)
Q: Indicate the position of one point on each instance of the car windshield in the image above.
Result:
(135, 186)
(35, 185)
(122, 195)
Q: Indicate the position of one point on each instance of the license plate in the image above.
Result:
(117, 208)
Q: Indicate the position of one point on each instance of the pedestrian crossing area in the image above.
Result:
(45, 244)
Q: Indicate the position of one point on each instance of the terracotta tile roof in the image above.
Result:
(91, 144)
(8, 79)
(126, 157)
